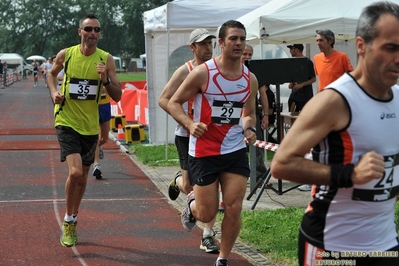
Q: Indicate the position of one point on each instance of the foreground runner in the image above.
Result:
(87, 68)
(224, 94)
(353, 128)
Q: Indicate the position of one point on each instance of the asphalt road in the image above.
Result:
(124, 218)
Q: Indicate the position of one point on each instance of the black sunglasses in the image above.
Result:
(89, 29)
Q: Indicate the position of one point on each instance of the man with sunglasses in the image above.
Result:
(86, 70)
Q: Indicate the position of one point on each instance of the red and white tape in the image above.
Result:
(273, 147)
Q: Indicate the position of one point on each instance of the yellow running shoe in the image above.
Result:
(69, 237)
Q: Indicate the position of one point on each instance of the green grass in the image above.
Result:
(273, 232)
(155, 155)
(131, 76)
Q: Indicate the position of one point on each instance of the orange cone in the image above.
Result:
(121, 133)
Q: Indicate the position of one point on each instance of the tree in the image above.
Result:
(133, 19)
(44, 27)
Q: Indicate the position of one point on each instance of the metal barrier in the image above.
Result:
(262, 183)
(3, 80)
(9, 77)
(268, 146)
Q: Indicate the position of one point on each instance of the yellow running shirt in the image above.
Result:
(81, 90)
(105, 98)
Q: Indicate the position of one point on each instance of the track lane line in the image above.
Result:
(56, 209)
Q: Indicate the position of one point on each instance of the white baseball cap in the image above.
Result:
(198, 35)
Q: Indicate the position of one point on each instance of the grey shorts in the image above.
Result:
(72, 142)
(206, 170)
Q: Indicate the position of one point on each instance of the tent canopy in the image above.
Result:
(118, 63)
(12, 59)
(188, 14)
(296, 21)
(167, 29)
(36, 57)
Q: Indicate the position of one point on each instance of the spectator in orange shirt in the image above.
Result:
(330, 64)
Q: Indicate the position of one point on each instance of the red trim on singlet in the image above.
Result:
(348, 147)
(312, 254)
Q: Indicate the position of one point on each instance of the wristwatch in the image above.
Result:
(108, 82)
(251, 128)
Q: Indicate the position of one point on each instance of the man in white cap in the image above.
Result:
(201, 46)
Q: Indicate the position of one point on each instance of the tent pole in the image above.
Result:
(167, 116)
(264, 132)
(261, 48)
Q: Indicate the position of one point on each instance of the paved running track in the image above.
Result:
(124, 219)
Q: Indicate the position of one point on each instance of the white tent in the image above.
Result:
(143, 63)
(118, 63)
(167, 29)
(12, 59)
(296, 21)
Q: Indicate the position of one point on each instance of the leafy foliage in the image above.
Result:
(44, 27)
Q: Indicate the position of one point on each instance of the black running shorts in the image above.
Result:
(182, 150)
(72, 142)
(206, 170)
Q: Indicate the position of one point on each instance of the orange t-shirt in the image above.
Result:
(329, 68)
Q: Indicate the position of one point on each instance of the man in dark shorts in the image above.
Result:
(104, 110)
(352, 128)
(224, 92)
(201, 46)
(35, 71)
(301, 92)
(76, 112)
